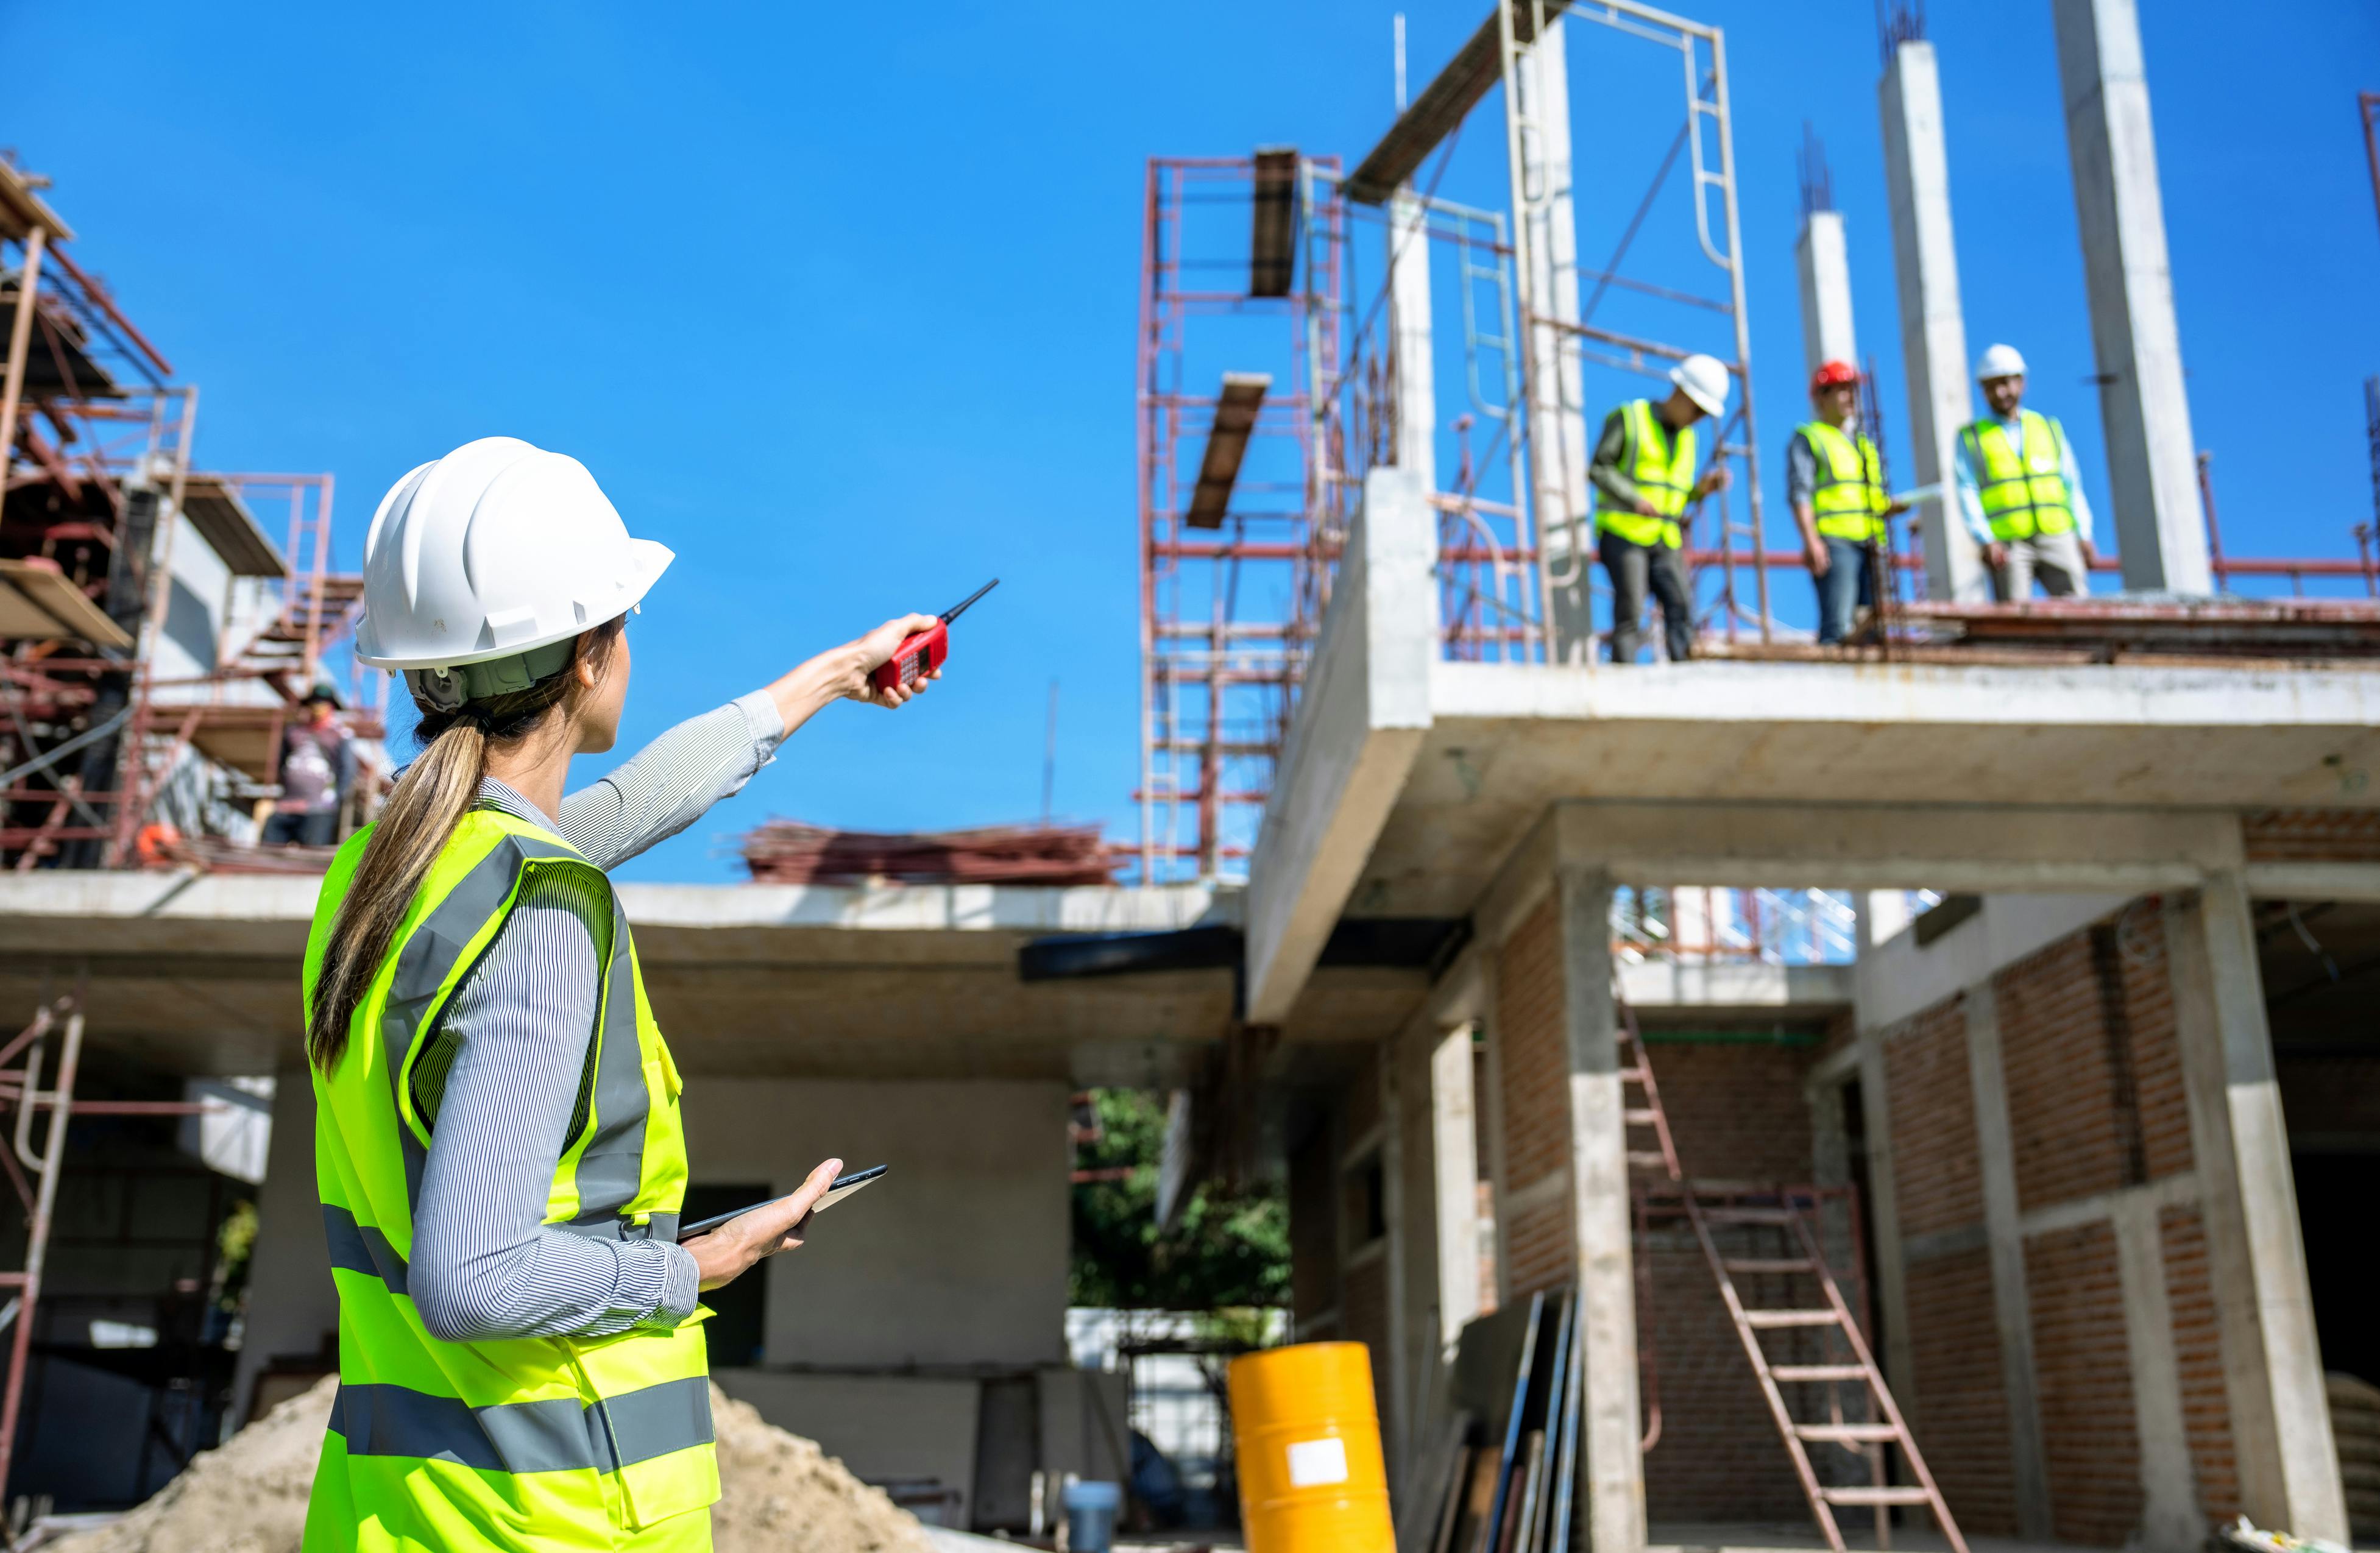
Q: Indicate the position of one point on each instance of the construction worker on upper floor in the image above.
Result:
(2019, 490)
(1834, 481)
(1644, 478)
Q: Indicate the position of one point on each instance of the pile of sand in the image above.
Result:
(783, 1493)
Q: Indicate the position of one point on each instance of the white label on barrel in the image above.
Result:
(1313, 1463)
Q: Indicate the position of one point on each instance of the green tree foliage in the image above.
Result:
(1225, 1248)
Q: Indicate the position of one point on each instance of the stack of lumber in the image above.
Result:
(788, 852)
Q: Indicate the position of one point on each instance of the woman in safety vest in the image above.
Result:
(497, 1139)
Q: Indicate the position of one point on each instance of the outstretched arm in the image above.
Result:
(674, 779)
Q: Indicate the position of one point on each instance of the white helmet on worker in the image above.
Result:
(482, 567)
(1702, 379)
(1999, 361)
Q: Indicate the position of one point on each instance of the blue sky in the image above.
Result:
(839, 301)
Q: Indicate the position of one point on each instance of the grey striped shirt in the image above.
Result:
(500, 1083)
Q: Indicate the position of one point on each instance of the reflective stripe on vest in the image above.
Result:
(1848, 500)
(2024, 492)
(1664, 479)
(517, 1443)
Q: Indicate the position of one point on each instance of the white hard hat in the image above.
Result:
(496, 548)
(1704, 380)
(1999, 361)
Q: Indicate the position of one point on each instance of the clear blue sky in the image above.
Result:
(838, 301)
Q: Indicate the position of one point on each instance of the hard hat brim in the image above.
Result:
(1709, 406)
(648, 559)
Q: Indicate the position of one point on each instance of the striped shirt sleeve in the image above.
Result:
(673, 780)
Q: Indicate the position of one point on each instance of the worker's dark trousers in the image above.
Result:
(1631, 567)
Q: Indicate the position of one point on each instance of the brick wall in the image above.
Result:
(2096, 1104)
(1960, 1413)
(1933, 1115)
(2085, 1374)
(2156, 1044)
(1531, 1054)
(2312, 835)
(1737, 1112)
(2198, 1353)
(1718, 1459)
(2070, 1090)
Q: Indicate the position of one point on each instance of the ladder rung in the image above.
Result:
(1816, 1372)
(1771, 1264)
(1640, 1116)
(1747, 1216)
(1648, 1157)
(1764, 1319)
(1876, 1496)
(1846, 1434)
(1631, 1076)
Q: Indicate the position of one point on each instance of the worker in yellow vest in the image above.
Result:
(1644, 477)
(497, 1141)
(2019, 492)
(1834, 483)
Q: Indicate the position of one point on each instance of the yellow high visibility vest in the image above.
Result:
(1662, 464)
(523, 1444)
(1849, 501)
(2023, 493)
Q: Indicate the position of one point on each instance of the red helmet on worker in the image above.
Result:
(1832, 374)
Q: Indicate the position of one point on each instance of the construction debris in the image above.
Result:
(788, 852)
(783, 1493)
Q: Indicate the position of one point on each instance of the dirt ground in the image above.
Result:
(783, 1493)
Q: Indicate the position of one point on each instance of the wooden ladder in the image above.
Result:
(1803, 1261)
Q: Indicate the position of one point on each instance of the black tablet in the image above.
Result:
(844, 1185)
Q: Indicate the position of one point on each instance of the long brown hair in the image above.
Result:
(413, 827)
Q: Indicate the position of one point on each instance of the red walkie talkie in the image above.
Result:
(920, 655)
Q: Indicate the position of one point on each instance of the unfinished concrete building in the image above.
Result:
(2009, 953)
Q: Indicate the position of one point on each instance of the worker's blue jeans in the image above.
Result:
(1847, 587)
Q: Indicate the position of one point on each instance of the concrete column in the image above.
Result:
(1933, 329)
(2152, 460)
(1409, 323)
(291, 1303)
(1824, 259)
(1884, 1222)
(2170, 1522)
(1611, 1487)
(2272, 1361)
(1454, 1142)
(1557, 411)
(2012, 1299)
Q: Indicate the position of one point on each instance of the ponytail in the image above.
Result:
(413, 827)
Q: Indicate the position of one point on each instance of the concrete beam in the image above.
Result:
(1361, 716)
(1933, 327)
(1728, 989)
(2151, 458)
(1860, 846)
(2272, 1360)
(1822, 256)
(2313, 881)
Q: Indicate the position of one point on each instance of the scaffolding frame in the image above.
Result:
(96, 447)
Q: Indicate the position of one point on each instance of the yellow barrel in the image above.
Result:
(1312, 1479)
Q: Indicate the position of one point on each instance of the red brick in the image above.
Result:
(1960, 1414)
(2198, 1352)
(1933, 1113)
(2084, 1383)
